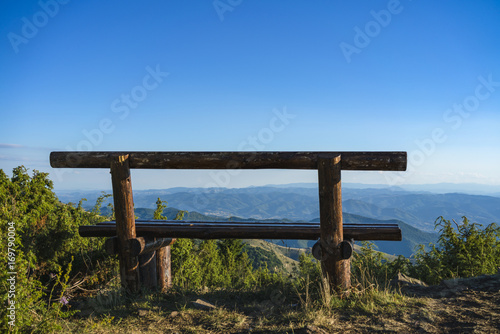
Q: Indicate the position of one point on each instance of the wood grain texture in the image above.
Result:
(225, 230)
(164, 268)
(335, 269)
(125, 221)
(389, 161)
(139, 222)
(137, 246)
(147, 268)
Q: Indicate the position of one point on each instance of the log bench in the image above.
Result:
(143, 246)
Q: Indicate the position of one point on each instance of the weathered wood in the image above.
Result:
(137, 246)
(164, 268)
(225, 230)
(147, 268)
(155, 269)
(395, 161)
(239, 223)
(125, 221)
(335, 269)
(111, 246)
(146, 245)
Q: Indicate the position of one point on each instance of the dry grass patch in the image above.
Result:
(263, 310)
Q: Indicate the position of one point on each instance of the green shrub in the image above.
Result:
(46, 245)
(207, 263)
(463, 250)
(309, 267)
(372, 267)
(215, 264)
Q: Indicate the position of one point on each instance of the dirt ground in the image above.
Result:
(454, 306)
(466, 312)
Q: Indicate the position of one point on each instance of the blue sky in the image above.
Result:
(415, 76)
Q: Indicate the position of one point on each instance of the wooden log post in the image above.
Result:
(147, 268)
(164, 268)
(335, 269)
(125, 221)
(143, 247)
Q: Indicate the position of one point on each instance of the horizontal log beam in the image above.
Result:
(224, 230)
(389, 161)
(240, 223)
(144, 247)
(138, 246)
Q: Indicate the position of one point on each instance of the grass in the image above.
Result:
(282, 309)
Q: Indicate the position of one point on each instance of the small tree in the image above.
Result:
(463, 250)
(236, 265)
(185, 262)
(160, 206)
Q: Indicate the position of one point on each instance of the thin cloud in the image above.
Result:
(2, 145)
(22, 159)
(7, 146)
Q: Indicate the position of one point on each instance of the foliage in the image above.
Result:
(309, 267)
(262, 257)
(46, 242)
(212, 263)
(369, 266)
(207, 263)
(160, 206)
(463, 250)
(368, 263)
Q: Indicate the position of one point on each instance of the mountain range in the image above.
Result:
(411, 235)
(418, 209)
(414, 211)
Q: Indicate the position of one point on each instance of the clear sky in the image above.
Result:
(227, 75)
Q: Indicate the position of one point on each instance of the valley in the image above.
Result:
(414, 211)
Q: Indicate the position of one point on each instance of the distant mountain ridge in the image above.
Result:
(411, 235)
(417, 209)
(437, 188)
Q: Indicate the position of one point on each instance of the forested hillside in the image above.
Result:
(417, 209)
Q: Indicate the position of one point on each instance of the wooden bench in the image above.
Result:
(143, 246)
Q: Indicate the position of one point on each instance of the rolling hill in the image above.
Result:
(415, 212)
(418, 209)
(411, 235)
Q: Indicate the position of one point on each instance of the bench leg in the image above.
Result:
(147, 270)
(164, 268)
